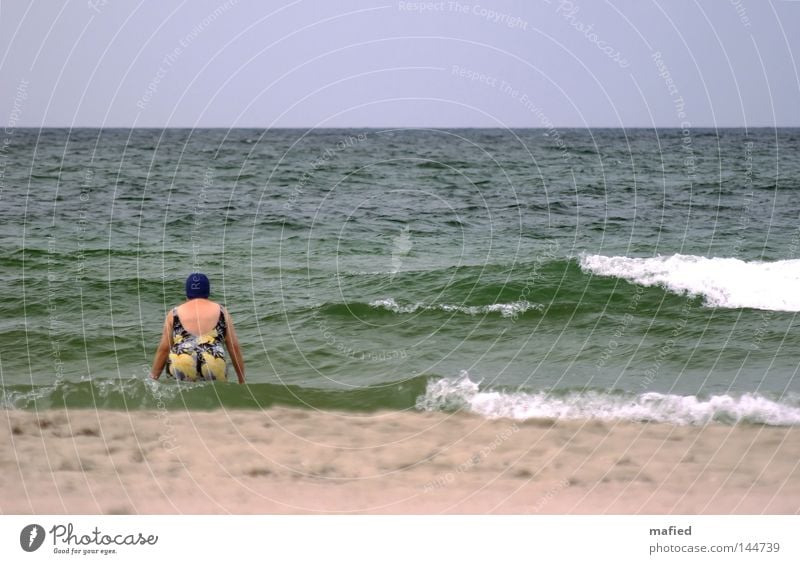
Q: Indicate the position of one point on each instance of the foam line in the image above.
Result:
(723, 282)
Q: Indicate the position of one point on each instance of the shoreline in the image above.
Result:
(286, 460)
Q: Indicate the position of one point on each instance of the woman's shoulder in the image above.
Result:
(207, 304)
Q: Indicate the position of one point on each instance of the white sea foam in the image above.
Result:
(463, 393)
(12, 399)
(723, 282)
(506, 310)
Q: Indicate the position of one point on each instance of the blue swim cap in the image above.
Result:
(197, 286)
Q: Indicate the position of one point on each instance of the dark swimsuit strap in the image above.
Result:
(221, 323)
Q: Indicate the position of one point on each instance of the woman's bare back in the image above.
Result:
(199, 316)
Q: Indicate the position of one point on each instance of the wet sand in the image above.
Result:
(300, 461)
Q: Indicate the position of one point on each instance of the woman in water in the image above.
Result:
(192, 341)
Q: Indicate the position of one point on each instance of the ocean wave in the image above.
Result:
(723, 282)
(462, 393)
(133, 394)
(422, 393)
(512, 309)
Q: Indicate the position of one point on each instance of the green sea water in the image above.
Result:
(634, 274)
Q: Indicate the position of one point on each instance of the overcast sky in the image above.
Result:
(525, 63)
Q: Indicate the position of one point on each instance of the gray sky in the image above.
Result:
(240, 63)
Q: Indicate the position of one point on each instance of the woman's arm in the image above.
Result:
(162, 353)
(232, 344)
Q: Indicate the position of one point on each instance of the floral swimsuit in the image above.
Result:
(194, 357)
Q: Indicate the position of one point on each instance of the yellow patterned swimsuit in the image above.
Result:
(193, 357)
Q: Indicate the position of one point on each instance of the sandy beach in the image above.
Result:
(299, 461)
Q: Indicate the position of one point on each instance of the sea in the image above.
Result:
(641, 275)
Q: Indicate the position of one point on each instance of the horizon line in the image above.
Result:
(411, 127)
